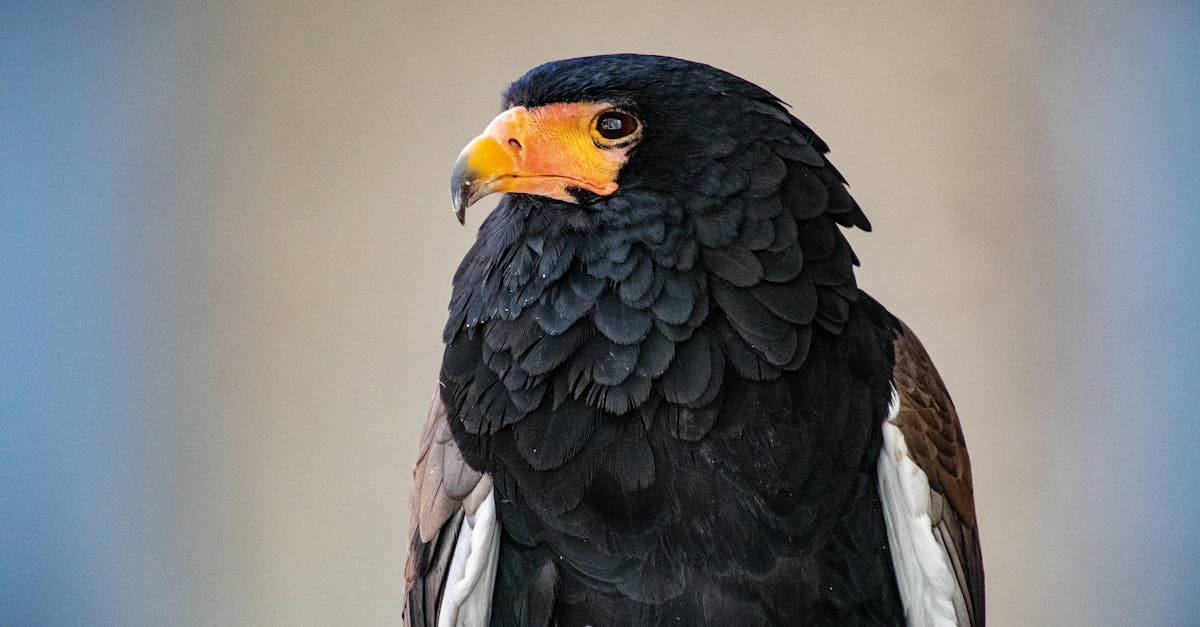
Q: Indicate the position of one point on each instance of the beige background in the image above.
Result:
(294, 266)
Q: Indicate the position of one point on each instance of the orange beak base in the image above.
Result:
(544, 151)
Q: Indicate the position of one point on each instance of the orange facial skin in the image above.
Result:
(543, 151)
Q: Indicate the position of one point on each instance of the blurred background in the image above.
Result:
(226, 246)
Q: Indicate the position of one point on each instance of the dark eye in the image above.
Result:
(616, 124)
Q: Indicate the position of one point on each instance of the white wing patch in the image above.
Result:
(467, 601)
(927, 585)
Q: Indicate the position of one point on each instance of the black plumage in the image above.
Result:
(677, 388)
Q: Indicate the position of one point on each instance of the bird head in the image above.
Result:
(644, 188)
(586, 130)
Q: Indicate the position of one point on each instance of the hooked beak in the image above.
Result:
(481, 169)
(545, 151)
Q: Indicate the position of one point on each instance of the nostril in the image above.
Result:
(516, 145)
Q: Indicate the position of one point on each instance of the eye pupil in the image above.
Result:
(616, 124)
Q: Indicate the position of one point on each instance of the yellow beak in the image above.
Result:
(545, 151)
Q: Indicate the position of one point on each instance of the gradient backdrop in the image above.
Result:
(226, 245)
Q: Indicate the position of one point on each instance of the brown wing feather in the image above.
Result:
(444, 486)
(931, 430)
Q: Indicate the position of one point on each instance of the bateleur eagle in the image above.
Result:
(663, 398)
